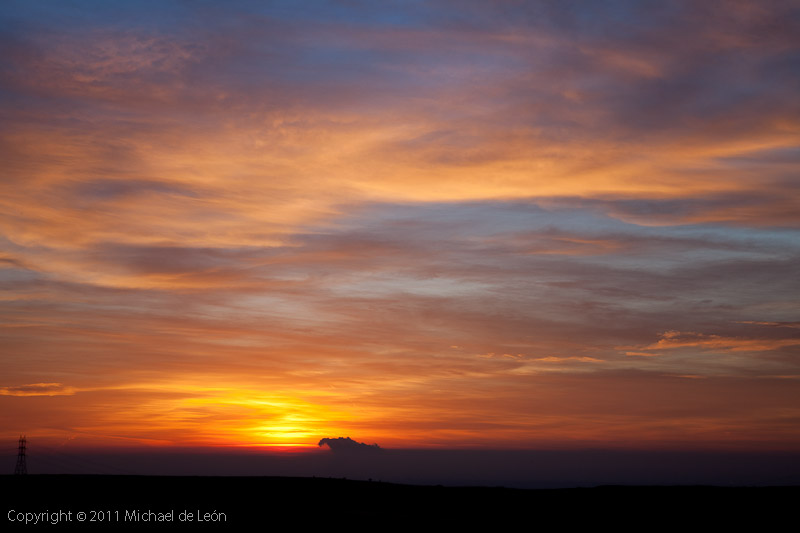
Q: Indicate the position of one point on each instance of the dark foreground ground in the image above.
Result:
(94, 503)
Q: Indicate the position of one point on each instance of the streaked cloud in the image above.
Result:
(37, 389)
(677, 339)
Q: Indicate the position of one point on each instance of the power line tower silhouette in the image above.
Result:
(22, 466)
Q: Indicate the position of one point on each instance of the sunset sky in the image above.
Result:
(425, 224)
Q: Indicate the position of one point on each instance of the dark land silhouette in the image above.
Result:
(273, 503)
(363, 486)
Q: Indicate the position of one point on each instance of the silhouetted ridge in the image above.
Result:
(346, 444)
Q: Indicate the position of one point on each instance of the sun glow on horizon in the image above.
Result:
(242, 416)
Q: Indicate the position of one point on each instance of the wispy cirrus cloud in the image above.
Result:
(38, 389)
(676, 339)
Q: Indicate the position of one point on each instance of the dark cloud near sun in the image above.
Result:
(348, 445)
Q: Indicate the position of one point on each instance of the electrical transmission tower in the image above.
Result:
(22, 467)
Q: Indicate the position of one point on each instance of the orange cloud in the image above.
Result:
(675, 339)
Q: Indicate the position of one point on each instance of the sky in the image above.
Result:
(477, 225)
